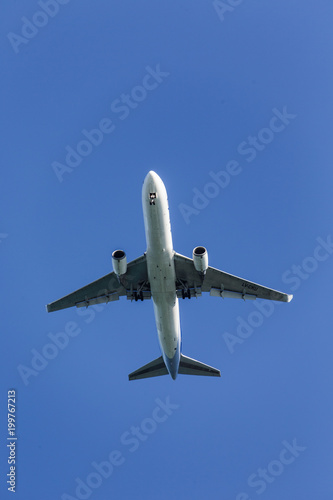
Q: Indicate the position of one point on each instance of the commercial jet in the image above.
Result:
(163, 275)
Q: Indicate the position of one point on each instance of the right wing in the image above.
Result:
(221, 284)
(134, 284)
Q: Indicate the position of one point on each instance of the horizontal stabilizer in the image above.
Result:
(189, 366)
(153, 369)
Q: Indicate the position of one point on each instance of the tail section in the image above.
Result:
(189, 366)
(153, 369)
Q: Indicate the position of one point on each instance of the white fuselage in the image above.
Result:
(161, 269)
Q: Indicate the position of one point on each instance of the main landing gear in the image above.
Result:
(138, 296)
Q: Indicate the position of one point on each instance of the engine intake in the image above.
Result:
(200, 259)
(119, 262)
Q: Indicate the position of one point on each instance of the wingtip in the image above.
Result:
(289, 298)
(47, 307)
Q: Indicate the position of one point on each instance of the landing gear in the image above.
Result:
(138, 296)
(187, 290)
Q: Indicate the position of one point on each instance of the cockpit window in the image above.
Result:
(152, 196)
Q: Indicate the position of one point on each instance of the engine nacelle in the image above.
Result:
(200, 259)
(119, 262)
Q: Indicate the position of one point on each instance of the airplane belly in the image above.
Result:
(161, 270)
(167, 321)
(161, 275)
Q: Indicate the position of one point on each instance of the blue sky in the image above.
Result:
(186, 89)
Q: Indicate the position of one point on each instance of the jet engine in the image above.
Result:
(119, 262)
(200, 259)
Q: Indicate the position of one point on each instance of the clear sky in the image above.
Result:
(231, 104)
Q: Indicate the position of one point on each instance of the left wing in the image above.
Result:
(220, 284)
(134, 284)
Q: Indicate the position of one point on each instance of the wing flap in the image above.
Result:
(101, 299)
(215, 292)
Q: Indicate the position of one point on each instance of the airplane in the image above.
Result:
(163, 275)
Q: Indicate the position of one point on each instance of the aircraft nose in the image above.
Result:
(151, 178)
(153, 184)
(151, 174)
